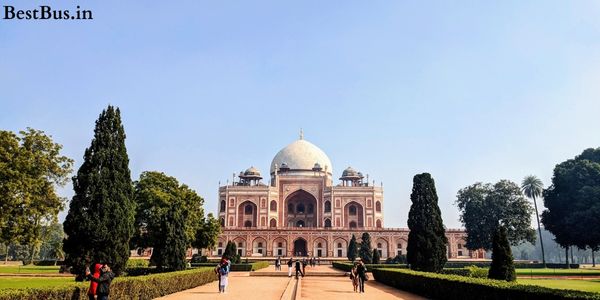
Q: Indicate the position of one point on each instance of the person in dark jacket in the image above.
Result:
(299, 268)
(103, 281)
(361, 271)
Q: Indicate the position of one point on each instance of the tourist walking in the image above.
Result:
(217, 271)
(303, 266)
(278, 264)
(361, 271)
(106, 277)
(354, 278)
(94, 285)
(290, 263)
(299, 268)
(224, 272)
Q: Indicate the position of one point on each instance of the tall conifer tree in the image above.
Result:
(101, 214)
(502, 267)
(352, 252)
(426, 250)
(365, 252)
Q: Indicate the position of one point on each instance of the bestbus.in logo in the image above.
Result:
(45, 12)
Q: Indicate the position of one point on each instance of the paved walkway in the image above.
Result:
(322, 286)
(341, 288)
(241, 286)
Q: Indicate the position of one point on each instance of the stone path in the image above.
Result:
(341, 288)
(321, 282)
(241, 286)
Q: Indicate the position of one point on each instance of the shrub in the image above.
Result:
(237, 267)
(137, 263)
(142, 288)
(486, 264)
(45, 263)
(470, 271)
(441, 286)
(347, 266)
(199, 258)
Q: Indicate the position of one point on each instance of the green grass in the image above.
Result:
(558, 272)
(29, 269)
(34, 282)
(565, 284)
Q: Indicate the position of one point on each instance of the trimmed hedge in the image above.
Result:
(46, 263)
(486, 264)
(440, 286)
(138, 288)
(237, 267)
(347, 266)
(470, 271)
(137, 263)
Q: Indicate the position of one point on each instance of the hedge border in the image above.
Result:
(127, 288)
(238, 267)
(441, 286)
(347, 266)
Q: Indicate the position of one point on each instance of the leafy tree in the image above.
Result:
(101, 214)
(376, 256)
(502, 267)
(52, 242)
(208, 233)
(31, 166)
(160, 198)
(573, 202)
(484, 207)
(532, 188)
(364, 251)
(426, 250)
(352, 252)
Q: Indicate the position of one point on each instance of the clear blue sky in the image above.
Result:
(468, 91)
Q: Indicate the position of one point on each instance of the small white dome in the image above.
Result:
(302, 155)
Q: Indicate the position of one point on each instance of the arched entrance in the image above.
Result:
(301, 206)
(300, 247)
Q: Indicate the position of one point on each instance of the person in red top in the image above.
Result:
(94, 285)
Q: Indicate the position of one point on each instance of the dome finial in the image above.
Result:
(301, 134)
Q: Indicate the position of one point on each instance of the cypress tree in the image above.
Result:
(365, 252)
(230, 251)
(352, 252)
(169, 252)
(376, 257)
(502, 267)
(426, 250)
(101, 214)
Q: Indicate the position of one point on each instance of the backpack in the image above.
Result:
(224, 270)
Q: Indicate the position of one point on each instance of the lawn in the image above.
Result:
(557, 272)
(29, 269)
(34, 282)
(565, 284)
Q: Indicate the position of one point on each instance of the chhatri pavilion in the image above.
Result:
(304, 211)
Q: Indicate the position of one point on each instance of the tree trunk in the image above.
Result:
(572, 260)
(6, 257)
(567, 257)
(593, 259)
(537, 216)
(32, 254)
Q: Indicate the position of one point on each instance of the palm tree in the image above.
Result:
(532, 188)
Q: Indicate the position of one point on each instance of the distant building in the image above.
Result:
(302, 213)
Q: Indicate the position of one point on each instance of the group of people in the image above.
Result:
(99, 281)
(358, 275)
(298, 265)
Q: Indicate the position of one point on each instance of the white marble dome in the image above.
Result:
(302, 155)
